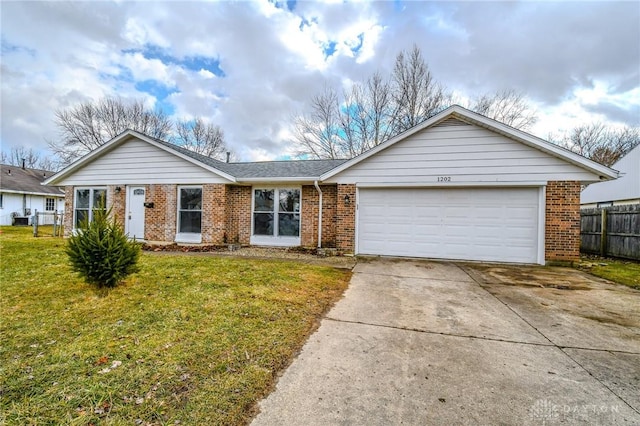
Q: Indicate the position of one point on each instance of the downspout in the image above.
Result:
(315, 183)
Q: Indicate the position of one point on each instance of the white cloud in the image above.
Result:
(577, 62)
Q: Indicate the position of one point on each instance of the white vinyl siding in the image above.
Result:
(624, 190)
(466, 154)
(138, 162)
(487, 224)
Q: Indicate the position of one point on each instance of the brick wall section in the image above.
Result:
(562, 223)
(214, 217)
(309, 225)
(68, 210)
(238, 214)
(346, 218)
(117, 202)
(161, 220)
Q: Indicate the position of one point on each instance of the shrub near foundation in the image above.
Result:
(101, 253)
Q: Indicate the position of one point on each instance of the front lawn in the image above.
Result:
(188, 339)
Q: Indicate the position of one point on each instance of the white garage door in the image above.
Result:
(456, 223)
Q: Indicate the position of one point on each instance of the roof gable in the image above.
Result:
(205, 163)
(457, 114)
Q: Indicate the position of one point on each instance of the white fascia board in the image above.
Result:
(519, 184)
(469, 116)
(45, 194)
(117, 141)
(290, 180)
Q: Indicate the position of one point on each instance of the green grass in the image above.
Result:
(199, 339)
(625, 272)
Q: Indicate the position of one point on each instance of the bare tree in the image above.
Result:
(87, 126)
(32, 159)
(367, 115)
(600, 142)
(506, 106)
(203, 138)
(317, 133)
(416, 94)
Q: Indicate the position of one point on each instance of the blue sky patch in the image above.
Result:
(155, 88)
(357, 48)
(329, 48)
(289, 5)
(193, 63)
(13, 48)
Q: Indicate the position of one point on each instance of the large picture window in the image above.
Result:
(190, 210)
(276, 213)
(86, 200)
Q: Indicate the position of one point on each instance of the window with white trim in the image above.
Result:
(190, 210)
(276, 212)
(49, 204)
(87, 200)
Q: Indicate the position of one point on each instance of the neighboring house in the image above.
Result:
(624, 190)
(22, 193)
(457, 186)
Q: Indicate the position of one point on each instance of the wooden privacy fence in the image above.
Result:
(611, 231)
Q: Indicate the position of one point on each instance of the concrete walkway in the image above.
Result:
(417, 342)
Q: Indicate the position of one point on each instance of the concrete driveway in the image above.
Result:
(420, 342)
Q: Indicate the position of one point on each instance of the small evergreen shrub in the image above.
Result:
(100, 251)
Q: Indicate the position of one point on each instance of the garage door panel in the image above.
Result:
(462, 223)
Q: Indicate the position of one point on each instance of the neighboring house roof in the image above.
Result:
(15, 179)
(627, 187)
(321, 170)
(471, 117)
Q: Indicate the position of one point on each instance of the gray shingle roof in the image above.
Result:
(16, 179)
(304, 169)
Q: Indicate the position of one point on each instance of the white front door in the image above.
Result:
(135, 212)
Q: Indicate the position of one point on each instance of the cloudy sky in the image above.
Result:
(251, 66)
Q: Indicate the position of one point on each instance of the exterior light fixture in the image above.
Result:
(118, 189)
(347, 200)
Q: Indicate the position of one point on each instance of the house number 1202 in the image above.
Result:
(444, 178)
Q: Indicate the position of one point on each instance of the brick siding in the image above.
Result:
(309, 220)
(214, 215)
(116, 201)
(238, 214)
(68, 210)
(160, 221)
(562, 224)
(346, 218)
